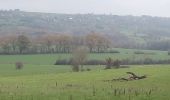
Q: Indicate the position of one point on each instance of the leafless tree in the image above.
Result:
(23, 43)
(79, 56)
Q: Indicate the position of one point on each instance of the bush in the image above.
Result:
(94, 62)
(114, 51)
(168, 52)
(88, 69)
(19, 65)
(75, 68)
(63, 62)
(82, 70)
(109, 63)
(89, 62)
(149, 61)
(116, 64)
(75, 65)
(124, 66)
(139, 52)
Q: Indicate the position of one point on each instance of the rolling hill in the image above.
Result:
(139, 29)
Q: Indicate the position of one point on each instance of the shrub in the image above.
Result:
(19, 65)
(94, 62)
(150, 53)
(82, 70)
(109, 63)
(88, 69)
(148, 61)
(139, 52)
(124, 66)
(116, 63)
(75, 65)
(114, 51)
(62, 62)
(125, 61)
(75, 68)
(168, 52)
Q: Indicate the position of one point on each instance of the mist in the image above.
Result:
(115, 7)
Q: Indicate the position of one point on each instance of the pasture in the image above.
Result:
(38, 84)
(40, 79)
(50, 59)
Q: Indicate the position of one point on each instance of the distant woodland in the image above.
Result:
(30, 32)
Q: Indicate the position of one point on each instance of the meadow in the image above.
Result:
(40, 79)
(53, 84)
(50, 59)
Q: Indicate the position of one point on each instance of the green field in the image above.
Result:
(50, 59)
(41, 80)
(57, 83)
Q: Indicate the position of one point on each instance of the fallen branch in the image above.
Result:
(135, 77)
(131, 78)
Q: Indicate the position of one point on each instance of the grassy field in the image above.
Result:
(41, 80)
(58, 83)
(50, 59)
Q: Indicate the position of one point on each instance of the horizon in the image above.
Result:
(83, 13)
(153, 8)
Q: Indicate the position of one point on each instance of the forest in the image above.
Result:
(141, 32)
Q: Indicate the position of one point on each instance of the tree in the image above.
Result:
(5, 45)
(79, 56)
(48, 40)
(91, 41)
(8, 43)
(13, 43)
(64, 43)
(97, 42)
(23, 43)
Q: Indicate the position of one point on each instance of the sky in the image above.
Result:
(115, 7)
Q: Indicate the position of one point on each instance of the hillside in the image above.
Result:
(141, 29)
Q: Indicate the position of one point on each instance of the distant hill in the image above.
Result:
(135, 28)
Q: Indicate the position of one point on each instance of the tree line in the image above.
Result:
(53, 43)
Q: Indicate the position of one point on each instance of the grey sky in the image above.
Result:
(116, 7)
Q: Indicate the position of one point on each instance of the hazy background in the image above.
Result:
(116, 7)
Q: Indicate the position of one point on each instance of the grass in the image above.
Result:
(10, 70)
(41, 80)
(29, 69)
(50, 59)
(86, 85)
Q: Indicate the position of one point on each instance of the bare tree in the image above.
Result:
(23, 43)
(64, 43)
(8, 43)
(97, 42)
(48, 40)
(53, 43)
(79, 56)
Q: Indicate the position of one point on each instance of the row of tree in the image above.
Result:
(53, 43)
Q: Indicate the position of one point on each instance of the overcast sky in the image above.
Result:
(116, 7)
